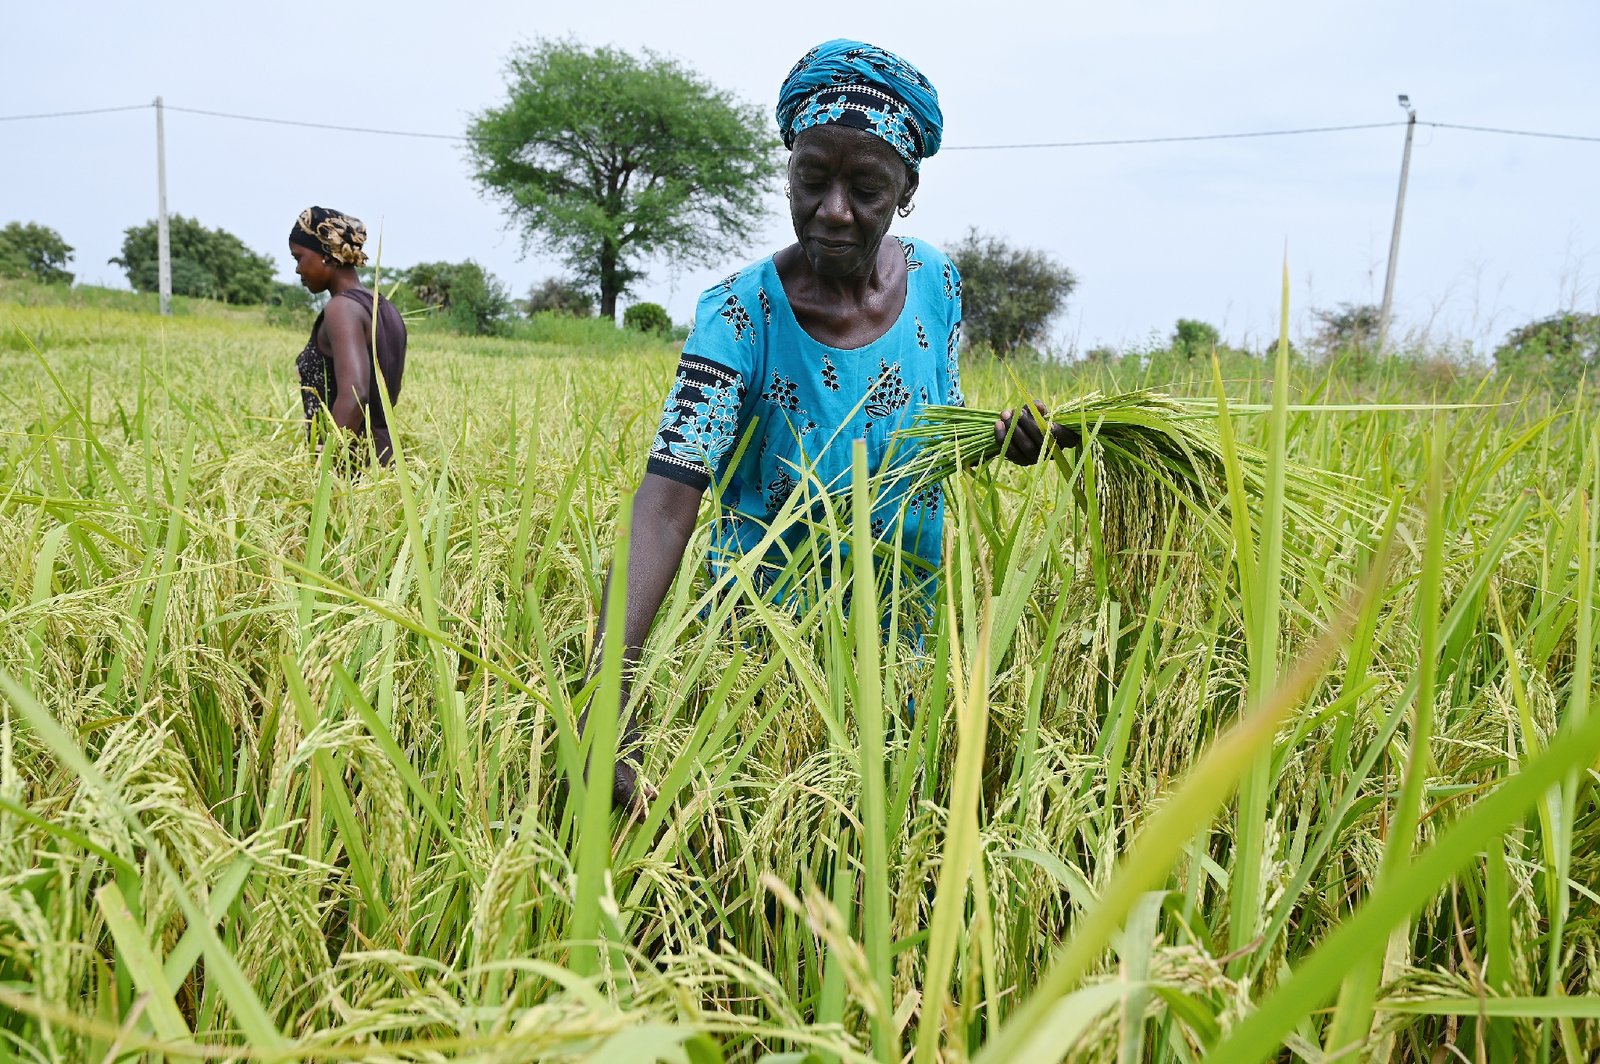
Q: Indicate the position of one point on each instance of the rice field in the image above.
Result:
(1302, 768)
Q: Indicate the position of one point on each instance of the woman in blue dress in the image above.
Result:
(841, 336)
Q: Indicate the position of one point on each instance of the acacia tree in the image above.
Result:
(606, 158)
(1009, 294)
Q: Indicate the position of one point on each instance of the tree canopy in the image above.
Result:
(607, 159)
(466, 295)
(206, 263)
(36, 251)
(1559, 350)
(1009, 294)
(557, 296)
(1194, 339)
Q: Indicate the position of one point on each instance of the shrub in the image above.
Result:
(1559, 349)
(647, 317)
(36, 251)
(1009, 295)
(556, 296)
(207, 263)
(293, 296)
(1349, 327)
(289, 304)
(468, 298)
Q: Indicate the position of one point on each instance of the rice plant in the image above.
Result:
(1296, 761)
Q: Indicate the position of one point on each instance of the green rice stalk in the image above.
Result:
(1154, 456)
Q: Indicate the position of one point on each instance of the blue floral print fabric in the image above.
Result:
(751, 377)
(863, 86)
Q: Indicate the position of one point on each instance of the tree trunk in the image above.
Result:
(609, 288)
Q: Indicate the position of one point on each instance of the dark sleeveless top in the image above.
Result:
(319, 384)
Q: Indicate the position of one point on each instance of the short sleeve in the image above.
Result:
(704, 412)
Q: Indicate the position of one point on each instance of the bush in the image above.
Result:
(648, 318)
(467, 297)
(293, 296)
(35, 251)
(571, 335)
(1009, 295)
(206, 263)
(1349, 327)
(1194, 339)
(556, 296)
(1559, 349)
(289, 304)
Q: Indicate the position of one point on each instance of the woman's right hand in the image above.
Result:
(1022, 435)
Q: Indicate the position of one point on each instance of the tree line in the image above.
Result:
(610, 161)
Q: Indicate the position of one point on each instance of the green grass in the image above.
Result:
(288, 766)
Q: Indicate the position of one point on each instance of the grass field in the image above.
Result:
(288, 768)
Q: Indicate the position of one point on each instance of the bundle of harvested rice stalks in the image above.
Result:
(1155, 458)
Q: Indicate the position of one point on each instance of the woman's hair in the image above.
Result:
(865, 87)
(330, 233)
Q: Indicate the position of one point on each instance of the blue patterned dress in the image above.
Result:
(749, 363)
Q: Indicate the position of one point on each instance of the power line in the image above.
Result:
(1109, 143)
(317, 125)
(74, 114)
(1168, 140)
(1512, 132)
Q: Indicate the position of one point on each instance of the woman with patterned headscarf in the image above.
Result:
(337, 372)
(841, 336)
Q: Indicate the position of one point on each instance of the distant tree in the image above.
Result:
(1560, 349)
(1008, 295)
(206, 263)
(1347, 327)
(471, 299)
(647, 317)
(293, 296)
(554, 295)
(36, 251)
(1192, 339)
(606, 159)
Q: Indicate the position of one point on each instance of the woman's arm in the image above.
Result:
(664, 513)
(345, 327)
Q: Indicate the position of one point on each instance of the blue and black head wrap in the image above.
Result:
(864, 87)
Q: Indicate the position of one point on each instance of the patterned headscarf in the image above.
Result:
(864, 87)
(330, 233)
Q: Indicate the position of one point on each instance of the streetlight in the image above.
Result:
(1394, 239)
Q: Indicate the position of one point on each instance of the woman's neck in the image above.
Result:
(344, 279)
(844, 312)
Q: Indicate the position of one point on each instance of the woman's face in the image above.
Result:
(844, 187)
(312, 268)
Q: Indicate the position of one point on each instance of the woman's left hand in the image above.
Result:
(1025, 444)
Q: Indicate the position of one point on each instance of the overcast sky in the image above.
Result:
(1498, 229)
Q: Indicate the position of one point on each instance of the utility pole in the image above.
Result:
(1394, 239)
(163, 241)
